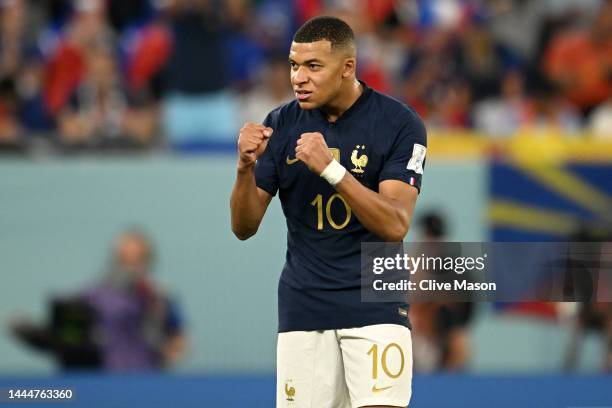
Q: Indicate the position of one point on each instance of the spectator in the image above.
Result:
(12, 48)
(11, 133)
(66, 67)
(591, 316)
(504, 115)
(146, 49)
(12, 33)
(580, 61)
(33, 114)
(549, 111)
(450, 107)
(482, 61)
(429, 68)
(198, 62)
(199, 109)
(440, 336)
(102, 112)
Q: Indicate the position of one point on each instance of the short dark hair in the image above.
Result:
(332, 29)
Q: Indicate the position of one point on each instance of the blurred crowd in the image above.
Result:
(141, 74)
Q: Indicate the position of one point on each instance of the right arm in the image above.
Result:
(248, 202)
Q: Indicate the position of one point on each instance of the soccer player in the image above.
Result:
(347, 163)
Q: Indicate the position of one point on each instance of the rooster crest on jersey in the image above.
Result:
(359, 162)
(289, 391)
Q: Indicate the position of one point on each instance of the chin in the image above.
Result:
(308, 105)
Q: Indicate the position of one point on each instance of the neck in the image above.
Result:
(346, 98)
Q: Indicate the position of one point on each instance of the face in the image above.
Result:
(132, 254)
(318, 72)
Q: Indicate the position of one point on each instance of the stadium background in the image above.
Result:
(513, 156)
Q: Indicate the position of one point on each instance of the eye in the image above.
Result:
(314, 67)
(292, 64)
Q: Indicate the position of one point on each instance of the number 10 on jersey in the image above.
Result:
(319, 204)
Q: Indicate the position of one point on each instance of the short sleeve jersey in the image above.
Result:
(378, 138)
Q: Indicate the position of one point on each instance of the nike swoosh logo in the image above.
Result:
(375, 389)
(291, 161)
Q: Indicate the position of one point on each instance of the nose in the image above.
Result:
(299, 76)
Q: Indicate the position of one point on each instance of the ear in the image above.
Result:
(350, 64)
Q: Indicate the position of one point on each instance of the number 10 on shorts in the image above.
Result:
(384, 360)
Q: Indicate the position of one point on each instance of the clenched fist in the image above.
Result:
(312, 150)
(252, 142)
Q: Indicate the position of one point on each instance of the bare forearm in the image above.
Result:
(247, 203)
(246, 207)
(377, 213)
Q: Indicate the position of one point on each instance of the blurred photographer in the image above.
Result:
(121, 323)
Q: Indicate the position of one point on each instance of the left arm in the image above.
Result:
(386, 213)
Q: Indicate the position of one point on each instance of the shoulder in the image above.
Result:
(394, 111)
(398, 116)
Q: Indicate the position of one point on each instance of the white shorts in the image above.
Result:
(344, 368)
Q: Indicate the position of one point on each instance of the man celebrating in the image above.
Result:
(347, 163)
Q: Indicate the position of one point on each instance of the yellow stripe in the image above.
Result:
(505, 213)
(542, 146)
(571, 187)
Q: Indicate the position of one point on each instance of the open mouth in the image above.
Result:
(302, 95)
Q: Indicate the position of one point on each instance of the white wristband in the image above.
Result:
(333, 173)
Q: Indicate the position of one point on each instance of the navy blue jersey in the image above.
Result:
(378, 138)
